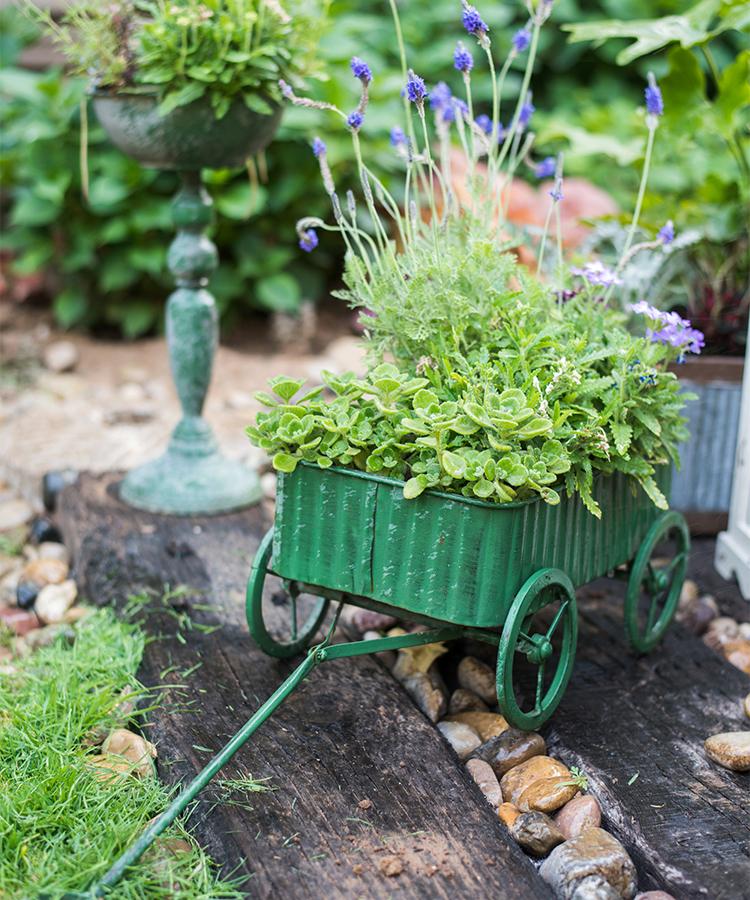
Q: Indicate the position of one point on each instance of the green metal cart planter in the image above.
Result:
(459, 566)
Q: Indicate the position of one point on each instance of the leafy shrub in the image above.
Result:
(182, 50)
(510, 391)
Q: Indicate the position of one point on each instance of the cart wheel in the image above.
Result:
(295, 637)
(655, 581)
(551, 645)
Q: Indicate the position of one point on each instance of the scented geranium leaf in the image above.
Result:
(477, 413)
(534, 428)
(483, 488)
(415, 486)
(286, 387)
(284, 462)
(463, 425)
(265, 399)
(425, 400)
(454, 464)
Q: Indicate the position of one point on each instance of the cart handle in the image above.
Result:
(319, 653)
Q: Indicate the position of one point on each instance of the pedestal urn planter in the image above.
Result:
(192, 476)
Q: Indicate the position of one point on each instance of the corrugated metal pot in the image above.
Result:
(444, 556)
(187, 138)
(702, 487)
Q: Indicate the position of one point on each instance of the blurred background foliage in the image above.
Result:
(104, 260)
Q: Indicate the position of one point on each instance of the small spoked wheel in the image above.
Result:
(655, 581)
(282, 620)
(539, 635)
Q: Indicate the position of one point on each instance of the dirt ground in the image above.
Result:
(116, 408)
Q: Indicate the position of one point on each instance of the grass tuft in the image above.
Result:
(60, 827)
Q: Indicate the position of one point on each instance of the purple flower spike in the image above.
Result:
(666, 233)
(527, 111)
(597, 273)
(473, 22)
(654, 102)
(398, 138)
(440, 96)
(308, 240)
(361, 70)
(521, 40)
(415, 88)
(286, 90)
(546, 168)
(485, 123)
(318, 148)
(462, 59)
(354, 120)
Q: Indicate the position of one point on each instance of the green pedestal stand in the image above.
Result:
(193, 476)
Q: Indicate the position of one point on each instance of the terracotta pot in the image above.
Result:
(189, 137)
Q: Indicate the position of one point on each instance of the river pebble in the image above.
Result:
(593, 853)
(476, 676)
(486, 781)
(536, 833)
(730, 749)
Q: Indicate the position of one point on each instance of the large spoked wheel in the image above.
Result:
(655, 581)
(539, 635)
(285, 622)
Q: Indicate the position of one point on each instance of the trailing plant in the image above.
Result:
(484, 378)
(184, 50)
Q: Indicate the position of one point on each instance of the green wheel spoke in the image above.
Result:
(539, 688)
(556, 621)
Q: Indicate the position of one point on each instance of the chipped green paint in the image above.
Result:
(192, 477)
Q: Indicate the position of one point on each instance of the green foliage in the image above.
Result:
(498, 391)
(60, 826)
(706, 129)
(106, 257)
(184, 50)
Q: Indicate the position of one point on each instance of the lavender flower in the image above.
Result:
(521, 40)
(318, 148)
(666, 233)
(308, 240)
(473, 22)
(673, 330)
(527, 111)
(557, 195)
(398, 138)
(415, 89)
(598, 274)
(361, 70)
(654, 102)
(286, 90)
(354, 120)
(440, 96)
(462, 59)
(546, 168)
(485, 123)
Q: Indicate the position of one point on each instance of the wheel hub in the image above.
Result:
(541, 649)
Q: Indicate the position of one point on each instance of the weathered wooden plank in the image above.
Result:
(348, 735)
(637, 726)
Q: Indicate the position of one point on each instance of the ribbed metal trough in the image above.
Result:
(444, 556)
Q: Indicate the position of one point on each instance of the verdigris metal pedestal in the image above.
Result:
(192, 476)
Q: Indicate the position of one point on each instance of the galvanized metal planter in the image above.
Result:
(192, 476)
